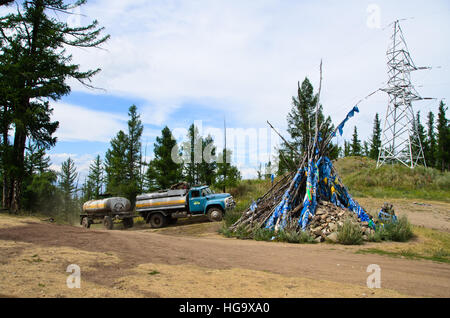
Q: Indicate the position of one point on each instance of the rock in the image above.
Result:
(333, 237)
(317, 231)
(323, 217)
(332, 227)
(365, 238)
(319, 239)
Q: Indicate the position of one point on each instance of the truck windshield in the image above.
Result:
(206, 191)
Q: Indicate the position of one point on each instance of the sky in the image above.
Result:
(209, 60)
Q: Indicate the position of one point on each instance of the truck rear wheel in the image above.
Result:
(215, 215)
(128, 223)
(157, 220)
(108, 223)
(85, 223)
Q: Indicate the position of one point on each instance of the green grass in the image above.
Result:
(296, 237)
(263, 234)
(407, 253)
(247, 191)
(154, 273)
(349, 233)
(431, 245)
(400, 231)
(71, 217)
(363, 179)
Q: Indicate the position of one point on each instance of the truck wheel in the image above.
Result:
(85, 222)
(128, 223)
(157, 220)
(108, 223)
(215, 215)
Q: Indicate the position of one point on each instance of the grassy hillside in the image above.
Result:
(362, 178)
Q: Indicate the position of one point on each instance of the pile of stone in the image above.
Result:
(293, 200)
(325, 223)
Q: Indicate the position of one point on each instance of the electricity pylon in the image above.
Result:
(400, 140)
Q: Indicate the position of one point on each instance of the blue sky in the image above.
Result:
(181, 61)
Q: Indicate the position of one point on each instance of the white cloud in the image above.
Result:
(82, 163)
(78, 123)
(246, 56)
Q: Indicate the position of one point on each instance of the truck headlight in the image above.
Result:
(229, 202)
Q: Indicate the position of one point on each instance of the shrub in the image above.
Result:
(263, 234)
(139, 220)
(349, 233)
(225, 231)
(242, 233)
(231, 217)
(399, 231)
(293, 236)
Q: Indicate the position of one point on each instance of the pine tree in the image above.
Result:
(232, 176)
(443, 139)
(347, 149)
(356, 144)
(116, 165)
(95, 179)
(207, 168)
(430, 145)
(35, 68)
(366, 149)
(375, 142)
(287, 160)
(259, 171)
(133, 152)
(269, 170)
(193, 155)
(39, 189)
(67, 182)
(301, 120)
(163, 171)
(421, 135)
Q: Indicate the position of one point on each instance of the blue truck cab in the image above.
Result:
(202, 199)
(166, 207)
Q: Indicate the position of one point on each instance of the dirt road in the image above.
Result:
(148, 263)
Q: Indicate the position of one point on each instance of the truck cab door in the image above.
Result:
(197, 202)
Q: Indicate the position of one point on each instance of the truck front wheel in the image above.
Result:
(157, 220)
(215, 215)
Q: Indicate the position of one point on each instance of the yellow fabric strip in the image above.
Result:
(143, 205)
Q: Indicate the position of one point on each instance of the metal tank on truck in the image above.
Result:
(107, 210)
(167, 206)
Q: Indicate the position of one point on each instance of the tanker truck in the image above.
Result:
(106, 211)
(166, 207)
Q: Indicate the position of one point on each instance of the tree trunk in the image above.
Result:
(6, 203)
(17, 175)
